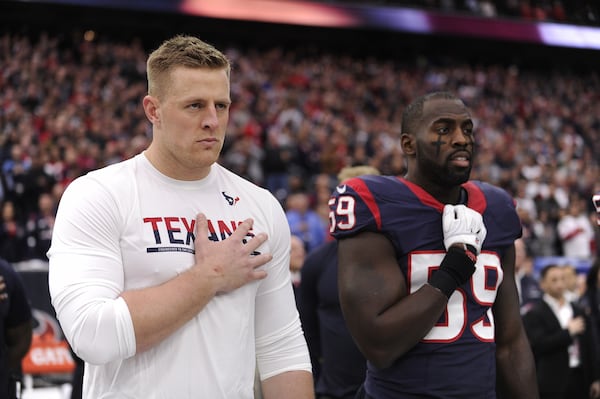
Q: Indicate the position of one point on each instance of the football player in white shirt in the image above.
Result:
(170, 274)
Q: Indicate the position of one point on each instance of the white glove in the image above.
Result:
(462, 225)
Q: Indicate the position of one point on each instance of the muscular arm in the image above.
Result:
(289, 385)
(85, 306)
(177, 301)
(516, 373)
(382, 317)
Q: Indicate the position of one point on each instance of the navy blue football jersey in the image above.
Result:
(456, 359)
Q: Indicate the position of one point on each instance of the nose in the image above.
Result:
(460, 138)
(210, 119)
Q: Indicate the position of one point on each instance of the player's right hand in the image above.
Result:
(464, 233)
(233, 262)
(462, 225)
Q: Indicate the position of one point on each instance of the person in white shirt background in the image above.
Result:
(575, 231)
(562, 340)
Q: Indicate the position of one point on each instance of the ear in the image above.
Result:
(407, 143)
(150, 104)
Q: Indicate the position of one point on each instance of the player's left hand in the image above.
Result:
(462, 225)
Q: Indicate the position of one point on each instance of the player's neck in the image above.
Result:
(446, 195)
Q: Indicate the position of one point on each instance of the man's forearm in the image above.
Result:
(516, 374)
(290, 385)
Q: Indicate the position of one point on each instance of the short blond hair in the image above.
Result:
(181, 51)
(354, 171)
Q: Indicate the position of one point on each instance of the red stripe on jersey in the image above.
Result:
(476, 199)
(423, 195)
(360, 187)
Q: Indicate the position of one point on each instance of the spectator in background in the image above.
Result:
(16, 329)
(36, 181)
(544, 238)
(304, 221)
(39, 227)
(527, 285)
(563, 342)
(14, 170)
(280, 154)
(575, 231)
(322, 186)
(545, 226)
(297, 256)
(338, 366)
(12, 233)
(573, 285)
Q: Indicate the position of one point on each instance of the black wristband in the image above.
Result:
(470, 248)
(456, 268)
(443, 281)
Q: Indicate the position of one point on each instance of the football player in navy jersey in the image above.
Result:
(426, 269)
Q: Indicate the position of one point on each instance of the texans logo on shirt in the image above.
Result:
(230, 200)
(176, 234)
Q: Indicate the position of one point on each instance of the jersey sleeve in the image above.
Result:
(86, 274)
(280, 343)
(501, 219)
(353, 208)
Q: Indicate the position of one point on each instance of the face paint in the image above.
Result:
(439, 144)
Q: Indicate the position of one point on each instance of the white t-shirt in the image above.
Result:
(128, 226)
(576, 234)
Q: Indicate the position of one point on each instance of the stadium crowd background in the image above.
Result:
(306, 102)
(70, 103)
(585, 12)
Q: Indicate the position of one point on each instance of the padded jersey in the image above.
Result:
(456, 359)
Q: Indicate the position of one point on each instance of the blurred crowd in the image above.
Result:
(580, 12)
(69, 104)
